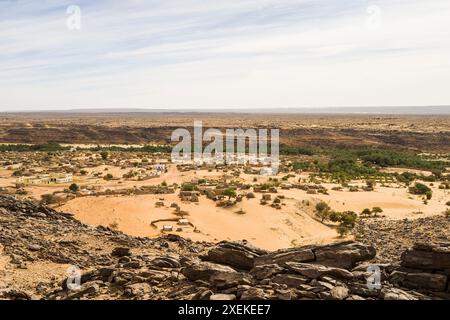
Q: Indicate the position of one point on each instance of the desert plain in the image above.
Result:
(120, 174)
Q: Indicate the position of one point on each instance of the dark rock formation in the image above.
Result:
(116, 266)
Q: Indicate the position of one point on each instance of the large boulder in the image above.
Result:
(314, 271)
(343, 254)
(427, 257)
(205, 270)
(427, 281)
(340, 255)
(280, 257)
(236, 254)
(266, 271)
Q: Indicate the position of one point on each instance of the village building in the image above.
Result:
(52, 178)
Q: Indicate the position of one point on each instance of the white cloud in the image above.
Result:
(251, 53)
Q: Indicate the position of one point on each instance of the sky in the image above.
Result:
(176, 54)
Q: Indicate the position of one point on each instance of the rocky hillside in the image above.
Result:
(39, 246)
(392, 237)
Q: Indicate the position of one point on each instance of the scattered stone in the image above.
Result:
(222, 297)
(121, 252)
(339, 293)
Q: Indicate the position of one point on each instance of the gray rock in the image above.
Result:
(291, 280)
(235, 254)
(266, 271)
(397, 294)
(205, 270)
(429, 281)
(166, 262)
(343, 255)
(339, 293)
(253, 294)
(85, 290)
(225, 280)
(314, 271)
(121, 252)
(427, 257)
(282, 256)
(222, 297)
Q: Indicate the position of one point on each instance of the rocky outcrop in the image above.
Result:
(392, 237)
(236, 254)
(206, 270)
(427, 256)
(425, 266)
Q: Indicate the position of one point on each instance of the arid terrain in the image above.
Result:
(381, 180)
(413, 132)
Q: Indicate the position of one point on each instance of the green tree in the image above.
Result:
(74, 187)
(377, 210)
(348, 219)
(104, 155)
(323, 211)
(342, 230)
(419, 189)
(230, 193)
(187, 187)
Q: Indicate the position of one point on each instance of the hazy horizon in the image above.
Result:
(192, 54)
(401, 110)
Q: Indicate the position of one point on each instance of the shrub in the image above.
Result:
(47, 199)
(447, 213)
(230, 193)
(377, 210)
(187, 187)
(342, 230)
(104, 155)
(323, 211)
(74, 187)
(419, 189)
(335, 216)
(348, 218)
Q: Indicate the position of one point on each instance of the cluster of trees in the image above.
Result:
(45, 147)
(386, 158)
(53, 147)
(346, 220)
(146, 149)
(188, 187)
(369, 212)
(421, 189)
(348, 164)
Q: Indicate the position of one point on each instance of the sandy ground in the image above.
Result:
(262, 225)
